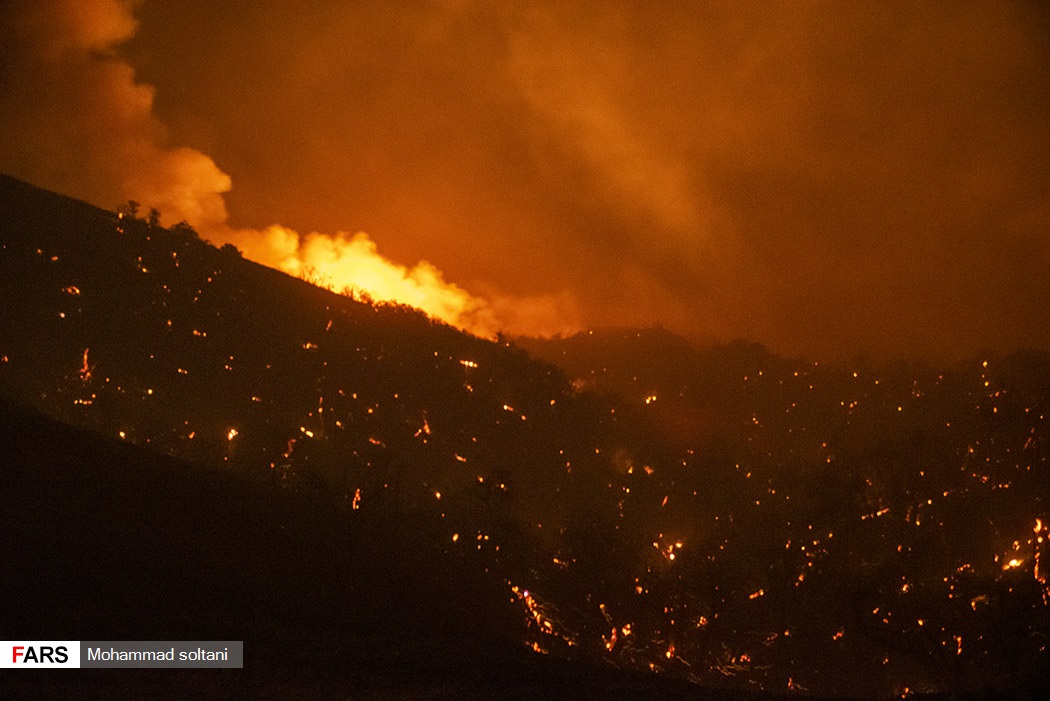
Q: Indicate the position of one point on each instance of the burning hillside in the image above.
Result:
(726, 517)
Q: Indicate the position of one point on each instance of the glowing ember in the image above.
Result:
(85, 369)
(610, 642)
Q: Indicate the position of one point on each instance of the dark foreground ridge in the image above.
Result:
(381, 506)
(109, 536)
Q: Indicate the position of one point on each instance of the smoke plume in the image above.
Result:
(77, 120)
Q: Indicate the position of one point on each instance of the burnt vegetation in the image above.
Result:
(190, 426)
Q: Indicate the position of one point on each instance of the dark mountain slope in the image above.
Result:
(106, 540)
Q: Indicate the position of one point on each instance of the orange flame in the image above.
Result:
(352, 264)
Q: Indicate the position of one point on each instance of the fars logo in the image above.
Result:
(34, 654)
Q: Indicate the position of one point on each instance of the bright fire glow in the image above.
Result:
(351, 263)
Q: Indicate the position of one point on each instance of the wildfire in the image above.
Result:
(351, 263)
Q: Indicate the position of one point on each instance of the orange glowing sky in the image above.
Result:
(830, 179)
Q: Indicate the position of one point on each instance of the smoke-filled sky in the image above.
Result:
(827, 178)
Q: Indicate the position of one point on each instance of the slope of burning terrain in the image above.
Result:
(726, 517)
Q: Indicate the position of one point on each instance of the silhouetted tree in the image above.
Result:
(184, 231)
(129, 210)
